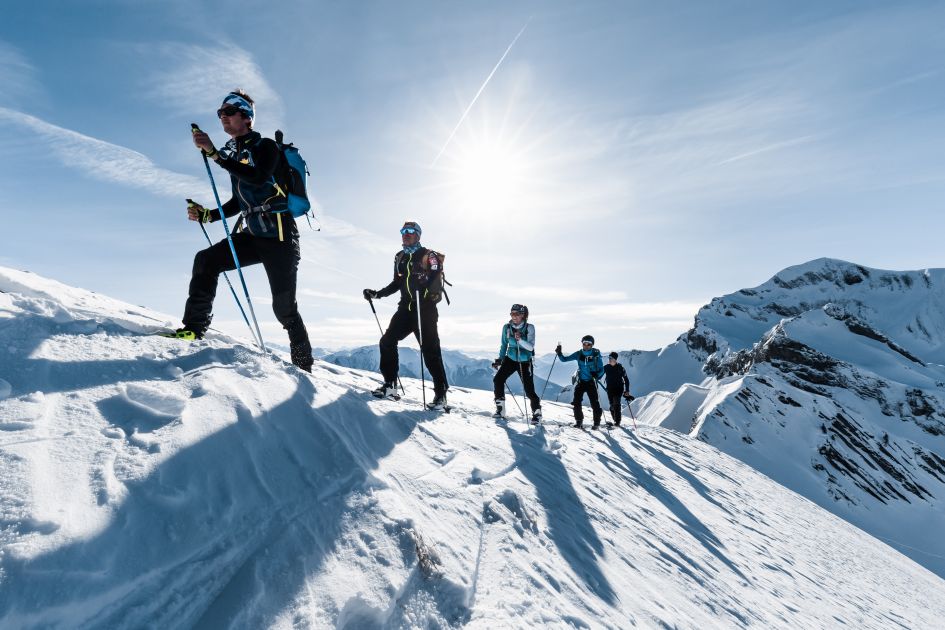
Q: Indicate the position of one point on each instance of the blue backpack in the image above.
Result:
(295, 177)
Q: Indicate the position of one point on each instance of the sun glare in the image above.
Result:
(488, 176)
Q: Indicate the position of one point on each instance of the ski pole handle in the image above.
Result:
(195, 129)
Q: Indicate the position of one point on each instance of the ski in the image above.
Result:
(173, 334)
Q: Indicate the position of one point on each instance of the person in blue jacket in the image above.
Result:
(515, 355)
(590, 368)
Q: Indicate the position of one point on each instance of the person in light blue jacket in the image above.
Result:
(590, 368)
(515, 355)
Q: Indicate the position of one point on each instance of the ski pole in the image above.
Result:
(549, 377)
(423, 383)
(514, 399)
(229, 238)
(603, 389)
(371, 302)
(631, 415)
(225, 276)
(521, 375)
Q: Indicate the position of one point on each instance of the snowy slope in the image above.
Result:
(153, 483)
(829, 379)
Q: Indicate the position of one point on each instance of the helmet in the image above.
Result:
(587, 339)
(614, 355)
(520, 308)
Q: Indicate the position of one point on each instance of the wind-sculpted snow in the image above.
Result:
(154, 483)
(829, 379)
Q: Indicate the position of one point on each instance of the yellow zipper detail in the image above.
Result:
(409, 260)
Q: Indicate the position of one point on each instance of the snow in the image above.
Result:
(829, 380)
(150, 482)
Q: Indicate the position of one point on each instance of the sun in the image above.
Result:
(490, 174)
(487, 175)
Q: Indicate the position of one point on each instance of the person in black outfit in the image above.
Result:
(418, 271)
(270, 237)
(618, 386)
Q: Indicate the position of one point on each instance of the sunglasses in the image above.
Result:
(229, 110)
(516, 314)
(408, 231)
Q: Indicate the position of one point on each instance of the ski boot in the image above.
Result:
(439, 402)
(387, 390)
(536, 416)
(499, 408)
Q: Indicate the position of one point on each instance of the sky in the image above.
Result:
(613, 165)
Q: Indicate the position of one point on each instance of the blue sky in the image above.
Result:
(625, 163)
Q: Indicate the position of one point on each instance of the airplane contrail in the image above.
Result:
(473, 102)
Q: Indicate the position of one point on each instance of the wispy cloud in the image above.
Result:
(103, 160)
(17, 74)
(545, 293)
(193, 79)
(646, 311)
(765, 149)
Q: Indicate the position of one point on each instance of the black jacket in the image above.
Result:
(255, 165)
(412, 274)
(616, 378)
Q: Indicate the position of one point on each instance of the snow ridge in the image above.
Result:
(153, 483)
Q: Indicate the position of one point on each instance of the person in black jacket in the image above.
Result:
(418, 274)
(270, 237)
(618, 385)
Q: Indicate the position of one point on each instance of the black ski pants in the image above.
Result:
(616, 401)
(402, 324)
(589, 388)
(524, 369)
(281, 261)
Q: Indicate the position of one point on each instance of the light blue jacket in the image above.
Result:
(590, 365)
(521, 350)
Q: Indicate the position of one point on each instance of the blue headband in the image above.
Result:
(241, 104)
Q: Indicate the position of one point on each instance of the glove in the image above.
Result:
(369, 294)
(558, 349)
(628, 397)
(196, 212)
(496, 364)
(203, 142)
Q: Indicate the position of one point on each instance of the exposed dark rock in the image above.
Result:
(698, 341)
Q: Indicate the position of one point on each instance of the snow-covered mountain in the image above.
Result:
(149, 482)
(828, 378)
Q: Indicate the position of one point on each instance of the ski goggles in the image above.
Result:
(409, 230)
(516, 314)
(586, 343)
(229, 110)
